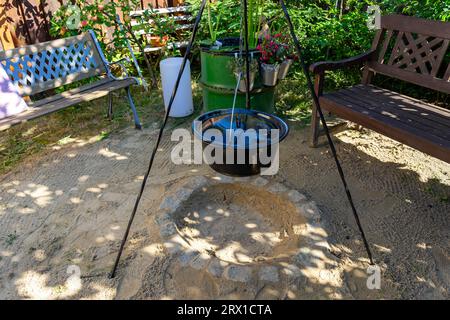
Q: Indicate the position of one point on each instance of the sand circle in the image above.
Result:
(240, 223)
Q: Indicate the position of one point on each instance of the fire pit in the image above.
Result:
(236, 224)
(240, 229)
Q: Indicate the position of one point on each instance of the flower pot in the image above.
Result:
(243, 81)
(269, 74)
(284, 68)
(156, 41)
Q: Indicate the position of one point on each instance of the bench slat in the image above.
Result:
(387, 103)
(351, 98)
(68, 93)
(409, 133)
(402, 106)
(71, 97)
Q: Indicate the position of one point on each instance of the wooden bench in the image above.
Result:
(181, 16)
(38, 68)
(406, 48)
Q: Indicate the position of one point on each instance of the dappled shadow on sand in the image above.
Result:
(71, 209)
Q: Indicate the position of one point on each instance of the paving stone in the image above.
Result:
(291, 270)
(238, 273)
(196, 182)
(173, 247)
(200, 261)
(172, 202)
(269, 273)
(216, 267)
(304, 257)
(186, 258)
(162, 218)
(222, 178)
(310, 210)
(241, 179)
(278, 188)
(260, 182)
(296, 196)
(168, 229)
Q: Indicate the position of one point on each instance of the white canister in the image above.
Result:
(183, 105)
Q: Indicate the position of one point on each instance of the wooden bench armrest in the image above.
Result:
(322, 66)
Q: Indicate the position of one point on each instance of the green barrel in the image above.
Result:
(218, 84)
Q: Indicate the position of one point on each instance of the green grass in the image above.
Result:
(84, 122)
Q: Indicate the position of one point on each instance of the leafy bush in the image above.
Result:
(325, 30)
(428, 9)
(70, 20)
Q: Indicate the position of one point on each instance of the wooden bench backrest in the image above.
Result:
(40, 67)
(413, 50)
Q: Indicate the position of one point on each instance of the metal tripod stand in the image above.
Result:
(248, 95)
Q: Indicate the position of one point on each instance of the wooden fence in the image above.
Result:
(28, 21)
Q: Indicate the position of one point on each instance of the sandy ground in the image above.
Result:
(68, 210)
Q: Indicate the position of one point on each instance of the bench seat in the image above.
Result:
(413, 122)
(66, 99)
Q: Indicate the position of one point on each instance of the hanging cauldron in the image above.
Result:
(230, 137)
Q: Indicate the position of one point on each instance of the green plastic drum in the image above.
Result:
(217, 98)
(218, 83)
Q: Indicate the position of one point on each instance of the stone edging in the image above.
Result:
(311, 260)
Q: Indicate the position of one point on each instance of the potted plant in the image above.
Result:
(238, 67)
(271, 58)
(218, 51)
(288, 58)
(159, 27)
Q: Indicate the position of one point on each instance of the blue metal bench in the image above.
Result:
(38, 68)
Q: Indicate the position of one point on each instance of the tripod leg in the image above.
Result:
(325, 126)
(161, 130)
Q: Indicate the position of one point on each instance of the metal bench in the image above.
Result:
(38, 68)
(182, 17)
(406, 48)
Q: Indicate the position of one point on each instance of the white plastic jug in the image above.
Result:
(183, 105)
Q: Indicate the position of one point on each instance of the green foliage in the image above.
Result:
(224, 20)
(429, 9)
(97, 16)
(255, 21)
(325, 30)
(160, 26)
(101, 17)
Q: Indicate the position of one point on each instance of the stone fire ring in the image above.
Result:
(312, 259)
